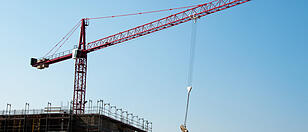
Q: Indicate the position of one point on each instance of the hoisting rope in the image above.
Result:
(190, 69)
(192, 53)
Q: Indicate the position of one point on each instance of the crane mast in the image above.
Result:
(80, 54)
(80, 80)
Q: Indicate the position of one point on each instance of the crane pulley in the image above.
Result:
(142, 30)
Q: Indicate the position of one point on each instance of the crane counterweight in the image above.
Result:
(39, 63)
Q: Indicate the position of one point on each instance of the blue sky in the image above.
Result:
(250, 68)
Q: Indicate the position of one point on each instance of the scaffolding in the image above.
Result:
(100, 118)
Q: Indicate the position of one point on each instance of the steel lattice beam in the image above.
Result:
(163, 23)
(80, 81)
(172, 20)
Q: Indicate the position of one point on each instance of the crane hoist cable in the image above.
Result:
(190, 70)
(192, 52)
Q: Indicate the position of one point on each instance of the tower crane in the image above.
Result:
(81, 52)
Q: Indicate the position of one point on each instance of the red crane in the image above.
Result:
(80, 53)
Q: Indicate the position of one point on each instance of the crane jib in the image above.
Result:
(80, 54)
(172, 20)
(160, 24)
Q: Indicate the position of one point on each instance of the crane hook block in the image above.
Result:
(183, 128)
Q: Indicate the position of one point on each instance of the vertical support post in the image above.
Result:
(90, 106)
(33, 126)
(135, 122)
(80, 73)
(25, 124)
(62, 124)
(106, 112)
(48, 109)
(151, 126)
(97, 106)
(19, 125)
(39, 124)
(101, 106)
(26, 106)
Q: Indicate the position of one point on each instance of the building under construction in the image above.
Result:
(104, 118)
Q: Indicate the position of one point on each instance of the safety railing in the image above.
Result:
(104, 109)
(121, 115)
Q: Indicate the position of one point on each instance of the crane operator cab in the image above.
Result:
(78, 53)
(75, 53)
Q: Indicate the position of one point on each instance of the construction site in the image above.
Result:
(80, 115)
(102, 118)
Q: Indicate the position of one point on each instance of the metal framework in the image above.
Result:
(160, 24)
(53, 118)
(80, 73)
